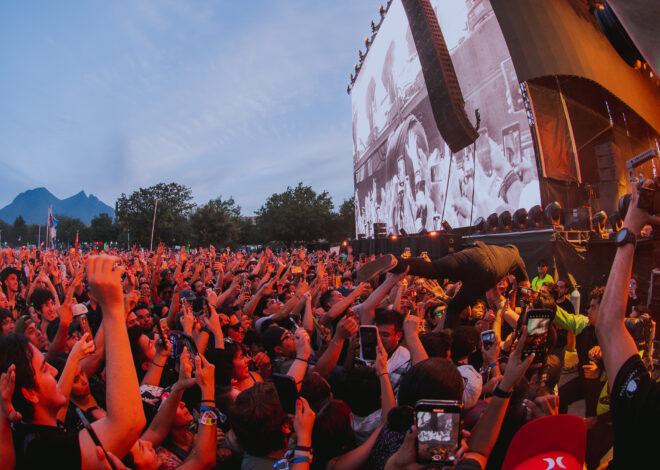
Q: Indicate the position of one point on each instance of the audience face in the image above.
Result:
(144, 456)
(144, 319)
(8, 325)
(389, 337)
(592, 311)
(35, 336)
(4, 303)
(47, 310)
(46, 393)
(561, 288)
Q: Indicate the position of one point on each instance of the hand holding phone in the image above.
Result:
(438, 431)
(368, 343)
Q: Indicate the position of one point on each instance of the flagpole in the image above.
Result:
(153, 224)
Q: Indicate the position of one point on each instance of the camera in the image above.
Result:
(649, 198)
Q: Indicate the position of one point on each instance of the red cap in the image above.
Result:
(548, 443)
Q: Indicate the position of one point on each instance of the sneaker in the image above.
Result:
(376, 267)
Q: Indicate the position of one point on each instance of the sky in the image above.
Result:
(229, 98)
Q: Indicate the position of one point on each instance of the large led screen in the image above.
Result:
(405, 174)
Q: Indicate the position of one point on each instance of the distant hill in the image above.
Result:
(33, 206)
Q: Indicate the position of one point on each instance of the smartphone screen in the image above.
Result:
(488, 338)
(538, 324)
(287, 391)
(368, 342)
(438, 431)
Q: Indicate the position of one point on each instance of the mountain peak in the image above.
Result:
(33, 205)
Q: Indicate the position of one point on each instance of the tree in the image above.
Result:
(343, 226)
(296, 215)
(66, 229)
(216, 222)
(135, 213)
(101, 228)
(19, 230)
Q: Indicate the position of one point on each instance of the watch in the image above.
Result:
(498, 392)
(625, 236)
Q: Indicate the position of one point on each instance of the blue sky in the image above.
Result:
(228, 98)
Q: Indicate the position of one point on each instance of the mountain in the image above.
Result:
(33, 206)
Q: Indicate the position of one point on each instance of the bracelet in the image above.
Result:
(158, 365)
(207, 401)
(300, 460)
(303, 448)
(206, 407)
(384, 373)
(301, 359)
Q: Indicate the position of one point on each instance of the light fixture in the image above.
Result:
(535, 217)
(520, 219)
(394, 237)
(433, 233)
(553, 213)
(616, 223)
(480, 224)
(598, 222)
(492, 223)
(344, 243)
(504, 221)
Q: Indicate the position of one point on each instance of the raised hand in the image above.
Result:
(105, 283)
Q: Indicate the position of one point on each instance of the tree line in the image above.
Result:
(297, 215)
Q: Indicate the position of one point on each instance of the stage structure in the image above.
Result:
(560, 113)
(551, 107)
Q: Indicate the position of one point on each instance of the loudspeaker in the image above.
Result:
(380, 230)
(438, 69)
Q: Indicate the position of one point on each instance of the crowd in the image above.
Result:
(220, 359)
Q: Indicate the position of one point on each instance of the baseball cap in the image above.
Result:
(549, 442)
(79, 309)
(272, 337)
(22, 323)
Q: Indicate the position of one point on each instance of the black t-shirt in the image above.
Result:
(635, 406)
(566, 305)
(38, 446)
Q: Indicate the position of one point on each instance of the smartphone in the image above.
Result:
(190, 344)
(92, 434)
(538, 324)
(438, 431)
(488, 338)
(368, 342)
(287, 391)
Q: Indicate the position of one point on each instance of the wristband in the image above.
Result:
(207, 401)
(485, 369)
(208, 418)
(300, 460)
(498, 392)
(303, 448)
(384, 373)
(301, 359)
(207, 407)
(158, 365)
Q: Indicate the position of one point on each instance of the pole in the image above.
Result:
(153, 224)
(39, 241)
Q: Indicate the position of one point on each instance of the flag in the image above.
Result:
(52, 223)
(76, 241)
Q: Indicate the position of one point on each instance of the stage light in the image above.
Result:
(616, 223)
(535, 217)
(492, 223)
(446, 226)
(504, 221)
(394, 237)
(433, 233)
(344, 243)
(360, 55)
(480, 224)
(598, 222)
(553, 213)
(520, 219)
(367, 42)
(624, 203)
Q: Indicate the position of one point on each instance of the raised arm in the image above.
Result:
(368, 307)
(616, 343)
(346, 328)
(339, 308)
(125, 419)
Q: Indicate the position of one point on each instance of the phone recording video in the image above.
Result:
(368, 342)
(538, 326)
(488, 338)
(438, 431)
